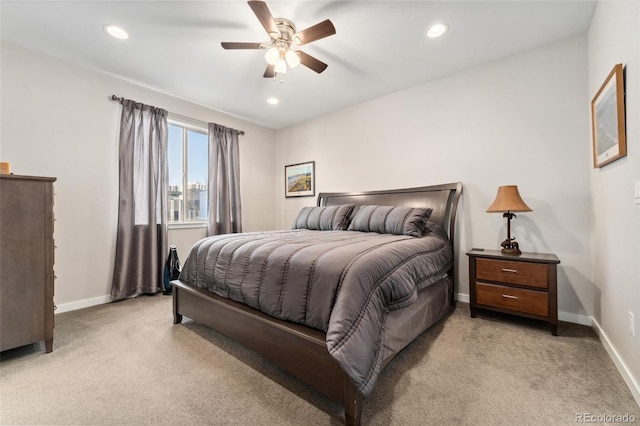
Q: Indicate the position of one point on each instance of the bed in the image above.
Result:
(333, 300)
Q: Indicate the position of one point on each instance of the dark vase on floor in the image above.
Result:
(171, 270)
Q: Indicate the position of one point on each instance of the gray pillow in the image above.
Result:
(410, 221)
(329, 218)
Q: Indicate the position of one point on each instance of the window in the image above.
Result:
(188, 151)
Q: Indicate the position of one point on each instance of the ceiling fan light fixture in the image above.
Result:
(280, 52)
(293, 60)
(436, 30)
(272, 55)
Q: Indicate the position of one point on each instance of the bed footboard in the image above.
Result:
(297, 349)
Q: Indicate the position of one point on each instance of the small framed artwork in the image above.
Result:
(300, 179)
(608, 119)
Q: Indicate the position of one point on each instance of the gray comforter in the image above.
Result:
(341, 282)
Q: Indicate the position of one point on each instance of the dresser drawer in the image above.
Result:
(516, 299)
(513, 272)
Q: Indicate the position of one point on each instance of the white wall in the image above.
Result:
(184, 238)
(522, 120)
(614, 37)
(57, 119)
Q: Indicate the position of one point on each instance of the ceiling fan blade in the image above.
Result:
(311, 62)
(263, 14)
(270, 72)
(316, 32)
(234, 45)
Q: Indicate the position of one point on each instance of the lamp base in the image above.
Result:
(510, 247)
(511, 252)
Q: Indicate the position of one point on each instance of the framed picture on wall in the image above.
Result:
(300, 179)
(608, 119)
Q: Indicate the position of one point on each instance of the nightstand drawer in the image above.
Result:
(515, 299)
(513, 272)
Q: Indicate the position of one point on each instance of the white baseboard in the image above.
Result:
(461, 297)
(626, 374)
(72, 306)
(575, 318)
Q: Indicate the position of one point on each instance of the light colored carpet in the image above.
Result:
(127, 364)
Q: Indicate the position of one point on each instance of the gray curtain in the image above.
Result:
(141, 244)
(224, 212)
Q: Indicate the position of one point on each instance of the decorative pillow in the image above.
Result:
(329, 218)
(410, 221)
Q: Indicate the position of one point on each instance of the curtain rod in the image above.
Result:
(119, 99)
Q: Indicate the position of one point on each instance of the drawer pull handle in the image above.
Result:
(508, 296)
(513, 271)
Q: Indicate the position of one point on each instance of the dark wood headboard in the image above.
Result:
(443, 199)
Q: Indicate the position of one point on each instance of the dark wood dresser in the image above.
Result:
(26, 261)
(524, 285)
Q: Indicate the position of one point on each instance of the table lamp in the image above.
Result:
(508, 201)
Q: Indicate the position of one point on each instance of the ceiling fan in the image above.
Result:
(283, 36)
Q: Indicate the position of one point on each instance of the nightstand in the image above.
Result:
(524, 285)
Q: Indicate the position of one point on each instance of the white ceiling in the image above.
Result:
(379, 46)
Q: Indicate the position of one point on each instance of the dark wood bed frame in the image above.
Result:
(298, 349)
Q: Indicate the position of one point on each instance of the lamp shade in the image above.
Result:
(508, 200)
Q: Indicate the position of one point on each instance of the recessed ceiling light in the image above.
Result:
(273, 101)
(436, 30)
(116, 32)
